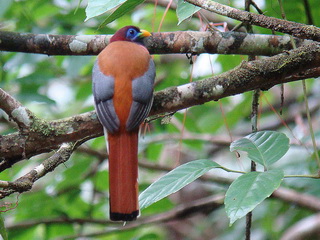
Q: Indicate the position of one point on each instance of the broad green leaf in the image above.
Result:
(122, 10)
(98, 7)
(3, 230)
(265, 147)
(249, 190)
(185, 10)
(174, 180)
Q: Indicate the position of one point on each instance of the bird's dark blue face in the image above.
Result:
(133, 34)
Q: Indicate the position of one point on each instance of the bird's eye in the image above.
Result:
(131, 32)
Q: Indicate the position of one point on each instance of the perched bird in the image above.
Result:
(123, 78)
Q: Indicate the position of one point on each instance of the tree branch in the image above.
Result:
(26, 182)
(45, 136)
(159, 43)
(296, 29)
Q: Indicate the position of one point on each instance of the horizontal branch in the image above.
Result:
(215, 42)
(45, 136)
(296, 29)
(160, 43)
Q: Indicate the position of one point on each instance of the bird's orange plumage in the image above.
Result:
(124, 61)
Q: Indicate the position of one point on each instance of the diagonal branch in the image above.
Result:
(296, 29)
(26, 182)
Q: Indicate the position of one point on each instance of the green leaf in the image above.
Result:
(185, 10)
(265, 147)
(3, 230)
(98, 7)
(122, 10)
(174, 180)
(249, 190)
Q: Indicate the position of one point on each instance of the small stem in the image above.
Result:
(233, 171)
(302, 176)
(285, 176)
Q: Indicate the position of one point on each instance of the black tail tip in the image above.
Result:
(115, 216)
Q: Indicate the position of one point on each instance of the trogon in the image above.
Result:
(123, 78)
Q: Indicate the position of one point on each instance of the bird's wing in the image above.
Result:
(103, 90)
(142, 95)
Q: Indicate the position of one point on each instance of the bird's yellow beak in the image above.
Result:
(144, 33)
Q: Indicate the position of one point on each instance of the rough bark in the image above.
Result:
(160, 43)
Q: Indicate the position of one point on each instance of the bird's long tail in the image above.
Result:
(123, 175)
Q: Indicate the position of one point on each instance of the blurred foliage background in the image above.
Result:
(55, 87)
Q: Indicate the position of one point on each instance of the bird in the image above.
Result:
(123, 84)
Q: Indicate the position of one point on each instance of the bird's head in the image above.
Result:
(130, 34)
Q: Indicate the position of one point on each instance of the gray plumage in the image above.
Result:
(142, 95)
(103, 90)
